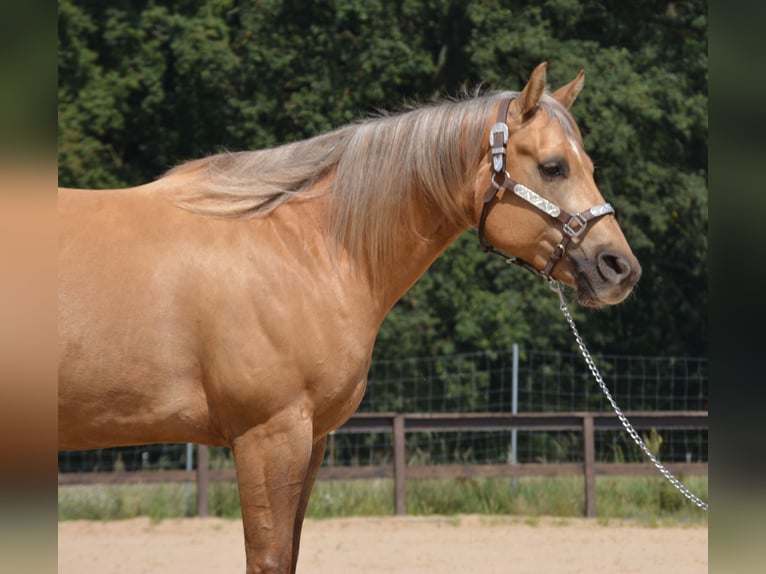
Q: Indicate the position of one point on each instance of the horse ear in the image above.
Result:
(566, 95)
(533, 91)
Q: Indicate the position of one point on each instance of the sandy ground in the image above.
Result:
(405, 545)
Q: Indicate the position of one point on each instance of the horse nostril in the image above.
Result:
(613, 268)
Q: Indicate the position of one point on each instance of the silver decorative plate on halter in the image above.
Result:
(602, 209)
(538, 201)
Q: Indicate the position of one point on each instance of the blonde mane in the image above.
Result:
(372, 171)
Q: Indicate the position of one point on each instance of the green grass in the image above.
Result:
(648, 500)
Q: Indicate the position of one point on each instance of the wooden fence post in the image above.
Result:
(331, 449)
(589, 465)
(203, 480)
(400, 463)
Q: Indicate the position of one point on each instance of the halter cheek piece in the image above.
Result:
(574, 224)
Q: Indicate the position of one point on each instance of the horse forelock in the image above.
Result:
(557, 111)
(379, 171)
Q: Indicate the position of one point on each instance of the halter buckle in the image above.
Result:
(581, 224)
(498, 128)
(497, 148)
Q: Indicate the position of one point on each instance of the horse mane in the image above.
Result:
(372, 171)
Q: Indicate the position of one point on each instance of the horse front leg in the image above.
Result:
(317, 456)
(272, 462)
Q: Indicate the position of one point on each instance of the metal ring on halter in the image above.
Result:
(506, 176)
(572, 232)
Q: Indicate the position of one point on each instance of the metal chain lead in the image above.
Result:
(556, 286)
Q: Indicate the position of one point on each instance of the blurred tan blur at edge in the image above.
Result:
(27, 319)
(28, 423)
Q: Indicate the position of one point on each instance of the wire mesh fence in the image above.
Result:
(548, 382)
(483, 382)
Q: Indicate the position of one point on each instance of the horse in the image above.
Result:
(236, 299)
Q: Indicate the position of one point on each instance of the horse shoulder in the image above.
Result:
(284, 322)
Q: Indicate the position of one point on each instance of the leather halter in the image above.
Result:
(574, 224)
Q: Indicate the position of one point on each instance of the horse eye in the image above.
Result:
(552, 169)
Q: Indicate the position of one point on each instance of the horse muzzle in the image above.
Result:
(607, 279)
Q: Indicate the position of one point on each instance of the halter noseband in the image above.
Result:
(574, 224)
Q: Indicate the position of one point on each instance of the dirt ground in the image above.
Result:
(405, 545)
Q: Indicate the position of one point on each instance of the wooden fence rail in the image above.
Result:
(399, 424)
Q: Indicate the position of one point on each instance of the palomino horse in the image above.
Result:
(235, 301)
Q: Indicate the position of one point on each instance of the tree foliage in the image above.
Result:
(146, 84)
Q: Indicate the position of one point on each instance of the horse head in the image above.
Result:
(542, 203)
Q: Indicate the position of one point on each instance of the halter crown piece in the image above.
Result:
(574, 224)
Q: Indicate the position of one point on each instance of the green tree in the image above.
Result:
(643, 114)
(146, 84)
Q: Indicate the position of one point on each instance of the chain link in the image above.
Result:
(556, 286)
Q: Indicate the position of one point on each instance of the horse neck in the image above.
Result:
(414, 256)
